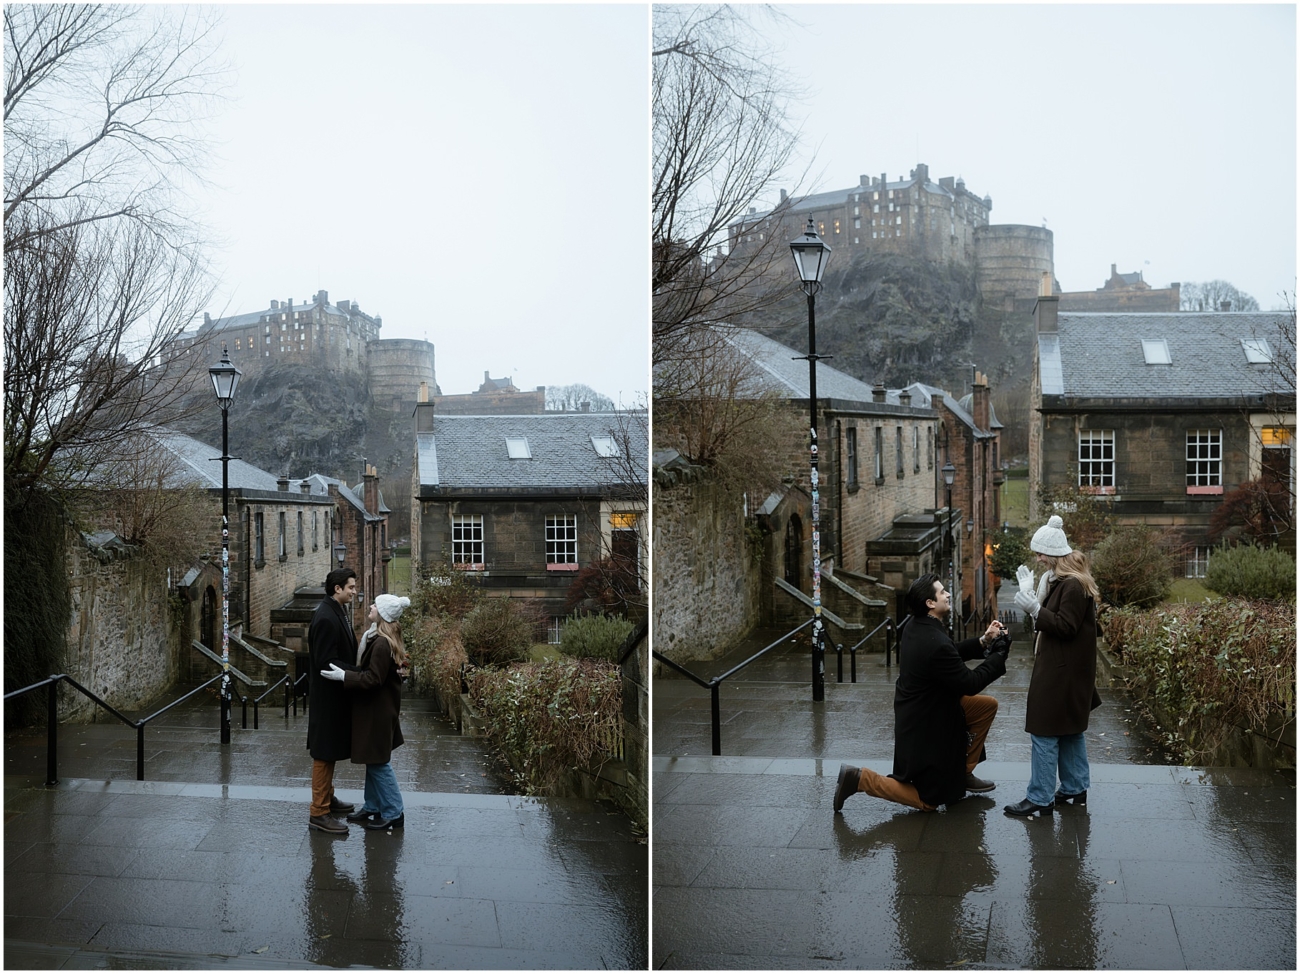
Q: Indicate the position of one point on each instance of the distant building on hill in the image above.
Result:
(495, 397)
(1120, 293)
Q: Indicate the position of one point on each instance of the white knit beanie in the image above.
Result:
(391, 607)
(1050, 538)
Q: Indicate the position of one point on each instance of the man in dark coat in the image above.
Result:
(940, 717)
(329, 717)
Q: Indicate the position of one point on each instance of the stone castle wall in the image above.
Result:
(1010, 261)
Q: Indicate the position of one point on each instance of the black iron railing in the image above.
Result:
(52, 720)
(714, 685)
(890, 639)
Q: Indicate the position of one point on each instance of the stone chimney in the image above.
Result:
(282, 483)
(905, 398)
(371, 492)
(878, 392)
(1225, 305)
(275, 305)
(980, 400)
(1045, 311)
(305, 487)
(423, 410)
(322, 298)
(783, 196)
(864, 181)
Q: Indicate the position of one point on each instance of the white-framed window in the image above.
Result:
(1205, 458)
(1256, 349)
(283, 542)
(562, 542)
(1155, 351)
(1198, 559)
(467, 541)
(1096, 458)
(851, 456)
(553, 629)
(880, 455)
(517, 448)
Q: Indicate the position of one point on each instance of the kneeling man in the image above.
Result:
(940, 717)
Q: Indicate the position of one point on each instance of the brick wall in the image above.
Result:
(271, 584)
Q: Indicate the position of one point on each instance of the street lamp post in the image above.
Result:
(225, 380)
(810, 258)
(949, 475)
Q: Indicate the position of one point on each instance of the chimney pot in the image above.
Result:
(282, 483)
(878, 392)
(305, 487)
(1225, 305)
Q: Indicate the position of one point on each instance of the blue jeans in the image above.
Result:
(382, 794)
(1069, 753)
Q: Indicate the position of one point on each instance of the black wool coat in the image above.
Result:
(330, 639)
(376, 701)
(929, 723)
(1063, 686)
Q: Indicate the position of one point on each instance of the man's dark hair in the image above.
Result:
(338, 578)
(922, 591)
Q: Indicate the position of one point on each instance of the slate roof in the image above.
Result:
(789, 376)
(1100, 355)
(201, 464)
(469, 452)
(923, 395)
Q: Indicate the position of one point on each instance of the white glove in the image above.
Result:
(1026, 579)
(333, 673)
(1028, 602)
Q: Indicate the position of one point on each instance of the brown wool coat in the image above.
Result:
(376, 692)
(1063, 686)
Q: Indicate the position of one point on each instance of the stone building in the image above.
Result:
(937, 221)
(495, 397)
(968, 436)
(1120, 293)
(1161, 414)
(524, 503)
(336, 337)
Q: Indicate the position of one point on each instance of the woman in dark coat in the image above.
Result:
(1063, 686)
(376, 690)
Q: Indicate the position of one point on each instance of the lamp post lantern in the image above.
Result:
(949, 475)
(810, 258)
(225, 380)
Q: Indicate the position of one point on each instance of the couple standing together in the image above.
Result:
(355, 695)
(941, 718)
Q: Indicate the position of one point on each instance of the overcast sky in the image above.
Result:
(1159, 138)
(475, 175)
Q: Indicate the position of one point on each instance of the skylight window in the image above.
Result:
(1156, 351)
(517, 448)
(1257, 351)
(605, 446)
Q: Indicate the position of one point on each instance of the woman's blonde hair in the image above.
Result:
(392, 631)
(1075, 565)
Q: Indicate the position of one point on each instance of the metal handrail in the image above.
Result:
(715, 685)
(633, 640)
(52, 720)
(890, 638)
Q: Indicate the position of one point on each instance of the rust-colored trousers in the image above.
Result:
(322, 787)
(980, 711)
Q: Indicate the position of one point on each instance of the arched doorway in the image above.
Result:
(793, 550)
(208, 618)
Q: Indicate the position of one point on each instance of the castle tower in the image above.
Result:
(1010, 261)
(397, 367)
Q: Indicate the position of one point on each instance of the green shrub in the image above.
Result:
(1251, 573)
(1010, 551)
(593, 637)
(1209, 667)
(1132, 568)
(437, 656)
(549, 718)
(499, 631)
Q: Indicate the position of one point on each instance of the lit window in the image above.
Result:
(1156, 351)
(517, 448)
(467, 540)
(1204, 458)
(1097, 458)
(1275, 436)
(1256, 349)
(605, 446)
(837, 226)
(857, 223)
(1197, 562)
(562, 541)
(622, 519)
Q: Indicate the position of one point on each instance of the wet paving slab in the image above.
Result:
(209, 863)
(1165, 867)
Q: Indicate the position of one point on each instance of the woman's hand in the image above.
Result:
(333, 673)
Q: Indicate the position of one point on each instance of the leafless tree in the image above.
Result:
(103, 269)
(722, 140)
(571, 398)
(1211, 296)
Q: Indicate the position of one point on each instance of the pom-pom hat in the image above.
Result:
(391, 607)
(1050, 538)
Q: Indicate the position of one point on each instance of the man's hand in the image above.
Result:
(1025, 578)
(1028, 602)
(333, 673)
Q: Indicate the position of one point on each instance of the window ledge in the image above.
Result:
(470, 566)
(259, 563)
(1205, 490)
(1105, 491)
(566, 567)
(854, 487)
